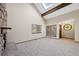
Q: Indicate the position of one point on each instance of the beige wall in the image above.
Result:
(68, 16)
(20, 19)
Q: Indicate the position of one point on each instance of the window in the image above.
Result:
(47, 5)
(36, 28)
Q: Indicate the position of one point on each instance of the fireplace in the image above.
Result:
(4, 34)
(3, 39)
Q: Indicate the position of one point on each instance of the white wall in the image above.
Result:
(20, 19)
(64, 17)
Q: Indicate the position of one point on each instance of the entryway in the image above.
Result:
(67, 29)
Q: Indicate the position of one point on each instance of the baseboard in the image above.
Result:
(30, 40)
(76, 41)
(67, 38)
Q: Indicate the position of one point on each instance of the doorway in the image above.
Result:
(66, 29)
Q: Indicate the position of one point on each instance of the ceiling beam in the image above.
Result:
(55, 8)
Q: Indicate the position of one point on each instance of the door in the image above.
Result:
(51, 30)
(54, 31)
(48, 30)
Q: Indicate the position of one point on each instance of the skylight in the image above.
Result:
(47, 5)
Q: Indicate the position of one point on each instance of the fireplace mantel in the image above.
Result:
(4, 28)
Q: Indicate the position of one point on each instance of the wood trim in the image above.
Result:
(5, 28)
(60, 31)
(2, 28)
(56, 8)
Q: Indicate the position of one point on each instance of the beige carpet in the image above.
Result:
(44, 47)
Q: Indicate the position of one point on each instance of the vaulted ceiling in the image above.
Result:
(63, 10)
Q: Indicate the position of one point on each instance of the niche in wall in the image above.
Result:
(36, 28)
